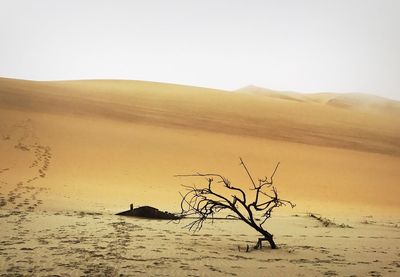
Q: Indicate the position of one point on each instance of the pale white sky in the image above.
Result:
(299, 45)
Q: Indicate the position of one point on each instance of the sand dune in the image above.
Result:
(75, 152)
(240, 114)
(137, 133)
(283, 95)
(357, 101)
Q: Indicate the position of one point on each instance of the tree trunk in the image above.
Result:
(272, 243)
(270, 239)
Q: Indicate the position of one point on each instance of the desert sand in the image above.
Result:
(74, 153)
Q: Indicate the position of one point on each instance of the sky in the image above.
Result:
(295, 45)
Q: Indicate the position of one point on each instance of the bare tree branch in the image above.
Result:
(204, 202)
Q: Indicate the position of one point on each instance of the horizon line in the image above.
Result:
(206, 87)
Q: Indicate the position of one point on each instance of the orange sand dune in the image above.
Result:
(185, 107)
(114, 142)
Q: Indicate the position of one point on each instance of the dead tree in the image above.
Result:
(202, 203)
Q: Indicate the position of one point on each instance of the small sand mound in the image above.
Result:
(148, 212)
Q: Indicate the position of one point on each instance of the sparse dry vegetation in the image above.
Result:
(328, 222)
(204, 202)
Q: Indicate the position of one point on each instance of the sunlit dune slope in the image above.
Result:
(109, 143)
(311, 119)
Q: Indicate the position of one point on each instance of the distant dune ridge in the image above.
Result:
(342, 100)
